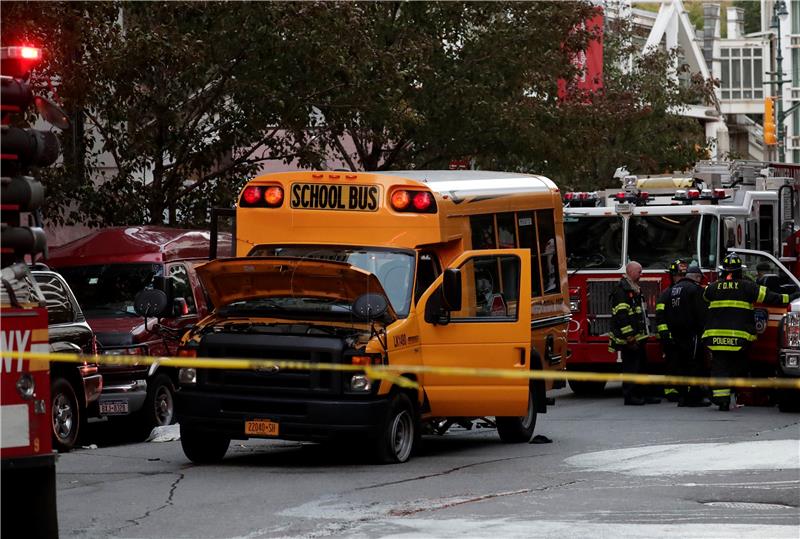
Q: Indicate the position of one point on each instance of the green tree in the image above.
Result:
(180, 102)
(752, 15)
(425, 82)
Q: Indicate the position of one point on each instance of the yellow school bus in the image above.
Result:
(431, 268)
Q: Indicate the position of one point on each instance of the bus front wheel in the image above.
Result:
(400, 433)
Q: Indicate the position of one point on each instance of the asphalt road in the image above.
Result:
(610, 471)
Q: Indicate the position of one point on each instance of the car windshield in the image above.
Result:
(593, 242)
(655, 241)
(394, 269)
(107, 290)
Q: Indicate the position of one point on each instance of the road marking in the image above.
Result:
(678, 459)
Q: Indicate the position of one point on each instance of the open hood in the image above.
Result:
(238, 279)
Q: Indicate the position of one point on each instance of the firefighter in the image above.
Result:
(676, 270)
(629, 332)
(683, 318)
(730, 324)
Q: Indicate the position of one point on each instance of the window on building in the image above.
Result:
(742, 73)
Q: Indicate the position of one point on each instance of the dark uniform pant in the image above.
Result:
(634, 361)
(685, 357)
(727, 364)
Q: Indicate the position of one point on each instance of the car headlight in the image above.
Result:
(187, 376)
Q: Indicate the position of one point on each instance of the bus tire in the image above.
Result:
(518, 430)
(400, 432)
(66, 414)
(586, 388)
(203, 447)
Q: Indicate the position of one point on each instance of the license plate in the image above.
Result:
(113, 408)
(261, 427)
(334, 196)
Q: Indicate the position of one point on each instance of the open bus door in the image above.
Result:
(225, 213)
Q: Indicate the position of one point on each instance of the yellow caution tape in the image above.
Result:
(394, 373)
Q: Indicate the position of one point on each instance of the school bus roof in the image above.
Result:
(477, 182)
(348, 218)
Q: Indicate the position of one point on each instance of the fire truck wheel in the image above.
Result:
(401, 432)
(203, 447)
(66, 414)
(159, 405)
(789, 401)
(518, 430)
(586, 388)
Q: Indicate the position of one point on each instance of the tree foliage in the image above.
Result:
(633, 121)
(176, 104)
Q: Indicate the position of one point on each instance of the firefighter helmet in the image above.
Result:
(732, 262)
(731, 265)
(678, 267)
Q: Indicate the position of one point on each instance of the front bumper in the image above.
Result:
(133, 394)
(305, 419)
(92, 387)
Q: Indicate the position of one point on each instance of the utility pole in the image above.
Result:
(779, 13)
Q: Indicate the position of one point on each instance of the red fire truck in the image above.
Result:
(699, 217)
(28, 461)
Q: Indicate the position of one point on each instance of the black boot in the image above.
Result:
(634, 401)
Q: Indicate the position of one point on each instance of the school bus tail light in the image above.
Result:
(262, 196)
(404, 200)
(273, 196)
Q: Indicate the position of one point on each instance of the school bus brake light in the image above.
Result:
(251, 195)
(422, 200)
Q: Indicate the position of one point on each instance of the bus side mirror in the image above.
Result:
(451, 289)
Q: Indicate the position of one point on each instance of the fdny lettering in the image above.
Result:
(728, 285)
(325, 196)
(725, 341)
(12, 341)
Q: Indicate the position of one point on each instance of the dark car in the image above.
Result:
(106, 269)
(74, 387)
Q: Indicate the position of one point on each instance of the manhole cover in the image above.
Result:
(749, 505)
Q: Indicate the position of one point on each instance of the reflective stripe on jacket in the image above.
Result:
(628, 317)
(730, 324)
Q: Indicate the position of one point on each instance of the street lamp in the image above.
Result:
(779, 14)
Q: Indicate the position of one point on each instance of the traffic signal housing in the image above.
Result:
(770, 136)
(24, 150)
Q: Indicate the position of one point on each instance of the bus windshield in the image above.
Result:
(655, 241)
(394, 269)
(593, 242)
